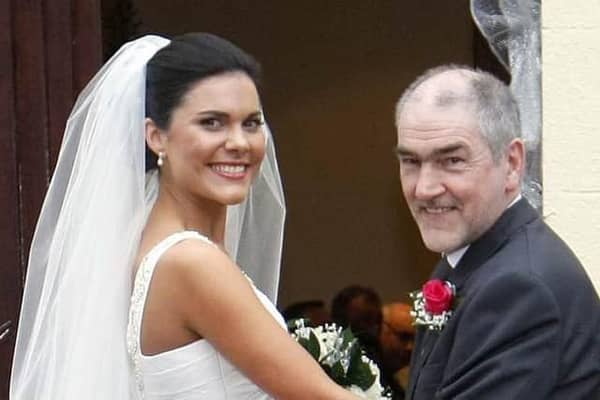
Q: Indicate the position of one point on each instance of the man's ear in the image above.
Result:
(155, 137)
(516, 164)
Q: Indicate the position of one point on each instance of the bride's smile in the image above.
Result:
(214, 143)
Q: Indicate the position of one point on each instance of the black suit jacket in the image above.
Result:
(527, 323)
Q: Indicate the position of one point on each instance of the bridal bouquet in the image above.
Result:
(341, 357)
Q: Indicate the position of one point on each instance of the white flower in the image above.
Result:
(329, 339)
(373, 393)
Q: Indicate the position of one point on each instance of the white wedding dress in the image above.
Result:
(194, 371)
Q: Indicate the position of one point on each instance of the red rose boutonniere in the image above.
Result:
(432, 305)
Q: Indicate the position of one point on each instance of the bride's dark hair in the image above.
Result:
(173, 70)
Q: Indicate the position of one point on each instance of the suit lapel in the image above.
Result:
(490, 242)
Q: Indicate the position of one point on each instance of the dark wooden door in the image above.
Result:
(48, 50)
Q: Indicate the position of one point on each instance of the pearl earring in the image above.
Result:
(160, 160)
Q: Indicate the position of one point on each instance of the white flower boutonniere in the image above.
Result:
(433, 304)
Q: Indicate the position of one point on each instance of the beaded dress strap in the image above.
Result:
(141, 285)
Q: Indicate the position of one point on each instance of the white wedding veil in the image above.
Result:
(71, 341)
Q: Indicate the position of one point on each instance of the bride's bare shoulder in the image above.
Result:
(193, 258)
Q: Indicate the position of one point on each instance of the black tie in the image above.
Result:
(442, 269)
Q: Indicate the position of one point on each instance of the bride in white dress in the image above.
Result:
(193, 325)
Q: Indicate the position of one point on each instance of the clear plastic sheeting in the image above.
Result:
(512, 30)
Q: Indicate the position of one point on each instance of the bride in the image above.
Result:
(192, 325)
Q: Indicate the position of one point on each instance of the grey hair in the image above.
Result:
(495, 106)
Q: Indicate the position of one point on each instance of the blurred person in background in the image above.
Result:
(314, 311)
(397, 341)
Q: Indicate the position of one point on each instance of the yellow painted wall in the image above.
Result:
(571, 125)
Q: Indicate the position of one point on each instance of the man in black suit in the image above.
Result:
(525, 321)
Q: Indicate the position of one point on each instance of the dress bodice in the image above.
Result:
(194, 371)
